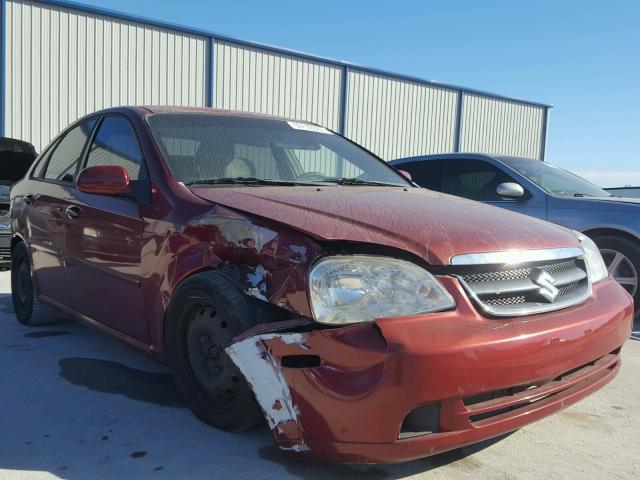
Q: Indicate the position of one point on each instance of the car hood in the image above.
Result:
(621, 199)
(431, 225)
(615, 200)
(605, 204)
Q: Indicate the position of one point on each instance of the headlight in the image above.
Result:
(361, 288)
(596, 268)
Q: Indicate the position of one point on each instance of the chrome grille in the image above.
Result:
(506, 300)
(526, 287)
(513, 274)
(498, 276)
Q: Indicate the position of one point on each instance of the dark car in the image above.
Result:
(16, 156)
(542, 190)
(5, 226)
(285, 273)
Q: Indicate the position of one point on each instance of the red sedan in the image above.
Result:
(286, 273)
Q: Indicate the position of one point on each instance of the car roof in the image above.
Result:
(146, 110)
(457, 155)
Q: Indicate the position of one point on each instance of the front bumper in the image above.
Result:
(480, 377)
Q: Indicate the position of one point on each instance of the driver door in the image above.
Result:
(103, 245)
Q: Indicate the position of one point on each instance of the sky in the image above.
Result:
(583, 57)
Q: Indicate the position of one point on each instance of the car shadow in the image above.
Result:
(81, 404)
(306, 470)
(6, 306)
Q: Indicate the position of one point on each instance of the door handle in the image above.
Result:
(73, 212)
(29, 198)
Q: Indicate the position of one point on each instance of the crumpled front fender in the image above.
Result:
(349, 367)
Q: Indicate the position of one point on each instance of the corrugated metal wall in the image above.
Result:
(501, 127)
(62, 64)
(65, 60)
(397, 118)
(256, 80)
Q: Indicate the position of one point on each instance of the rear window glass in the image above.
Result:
(64, 160)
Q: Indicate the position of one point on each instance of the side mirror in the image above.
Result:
(510, 190)
(406, 175)
(104, 180)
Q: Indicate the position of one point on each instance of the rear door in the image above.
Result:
(104, 242)
(46, 203)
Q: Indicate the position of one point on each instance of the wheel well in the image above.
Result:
(265, 312)
(611, 232)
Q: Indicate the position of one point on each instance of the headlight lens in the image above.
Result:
(360, 288)
(596, 268)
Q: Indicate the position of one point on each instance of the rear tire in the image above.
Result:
(622, 257)
(205, 313)
(28, 308)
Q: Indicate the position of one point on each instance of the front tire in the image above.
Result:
(205, 313)
(28, 308)
(622, 258)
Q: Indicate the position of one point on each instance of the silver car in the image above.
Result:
(541, 190)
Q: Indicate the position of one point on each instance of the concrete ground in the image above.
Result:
(77, 404)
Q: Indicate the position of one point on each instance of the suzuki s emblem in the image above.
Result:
(545, 281)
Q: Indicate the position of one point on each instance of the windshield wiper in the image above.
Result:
(580, 194)
(357, 181)
(244, 181)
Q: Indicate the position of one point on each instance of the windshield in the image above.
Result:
(220, 149)
(554, 180)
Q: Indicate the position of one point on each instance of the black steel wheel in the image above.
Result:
(205, 313)
(208, 332)
(28, 308)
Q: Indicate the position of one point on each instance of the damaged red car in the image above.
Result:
(286, 273)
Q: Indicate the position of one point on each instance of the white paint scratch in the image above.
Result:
(239, 231)
(264, 374)
(257, 282)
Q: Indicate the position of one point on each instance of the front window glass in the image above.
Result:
(116, 144)
(202, 148)
(474, 179)
(555, 180)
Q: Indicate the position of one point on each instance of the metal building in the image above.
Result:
(61, 60)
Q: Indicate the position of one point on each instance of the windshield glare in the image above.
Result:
(554, 180)
(206, 147)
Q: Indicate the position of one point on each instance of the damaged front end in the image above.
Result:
(399, 389)
(359, 357)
